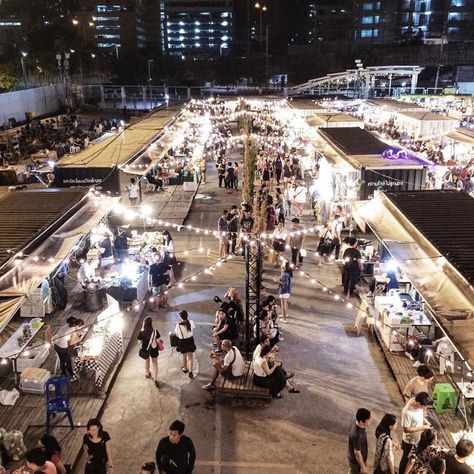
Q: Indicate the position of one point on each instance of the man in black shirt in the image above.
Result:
(159, 280)
(229, 179)
(175, 453)
(357, 445)
(352, 267)
(456, 461)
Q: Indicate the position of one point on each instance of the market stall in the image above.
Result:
(335, 119)
(425, 124)
(460, 145)
(415, 229)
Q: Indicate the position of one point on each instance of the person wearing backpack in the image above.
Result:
(384, 458)
(151, 342)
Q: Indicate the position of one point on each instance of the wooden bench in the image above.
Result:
(242, 387)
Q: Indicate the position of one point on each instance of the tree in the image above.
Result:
(9, 78)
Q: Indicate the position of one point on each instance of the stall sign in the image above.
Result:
(103, 179)
(401, 179)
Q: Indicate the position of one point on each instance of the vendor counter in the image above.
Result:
(396, 320)
(101, 345)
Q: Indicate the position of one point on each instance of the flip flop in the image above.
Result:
(294, 390)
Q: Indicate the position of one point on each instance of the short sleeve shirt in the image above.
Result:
(157, 272)
(453, 466)
(357, 442)
(350, 257)
(238, 364)
(412, 417)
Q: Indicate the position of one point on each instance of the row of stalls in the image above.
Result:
(425, 239)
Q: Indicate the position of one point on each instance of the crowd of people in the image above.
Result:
(421, 452)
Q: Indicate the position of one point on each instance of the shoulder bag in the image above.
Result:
(145, 353)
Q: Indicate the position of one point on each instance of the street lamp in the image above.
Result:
(262, 9)
(78, 23)
(24, 54)
(150, 62)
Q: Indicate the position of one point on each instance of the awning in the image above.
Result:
(25, 277)
(448, 294)
(463, 135)
(8, 307)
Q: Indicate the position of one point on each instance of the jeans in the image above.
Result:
(64, 360)
(233, 241)
(221, 180)
(406, 448)
(296, 256)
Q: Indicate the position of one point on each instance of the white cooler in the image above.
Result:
(33, 380)
(35, 358)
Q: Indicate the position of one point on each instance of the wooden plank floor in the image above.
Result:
(403, 370)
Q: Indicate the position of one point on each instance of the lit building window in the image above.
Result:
(198, 45)
(224, 23)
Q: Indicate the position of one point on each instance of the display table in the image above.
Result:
(19, 341)
(98, 353)
(396, 322)
(127, 282)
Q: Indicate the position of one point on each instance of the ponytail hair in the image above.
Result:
(185, 322)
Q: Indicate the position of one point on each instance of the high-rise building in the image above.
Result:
(197, 28)
(330, 21)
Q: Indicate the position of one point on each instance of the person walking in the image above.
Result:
(159, 279)
(296, 242)
(133, 190)
(149, 338)
(413, 424)
(233, 228)
(236, 175)
(352, 267)
(285, 289)
(384, 460)
(184, 332)
(229, 177)
(97, 448)
(278, 167)
(223, 229)
(357, 444)
(175, 453)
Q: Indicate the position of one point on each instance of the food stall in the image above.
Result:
(460, 145)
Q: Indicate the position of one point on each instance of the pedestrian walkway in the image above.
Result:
(302, 433)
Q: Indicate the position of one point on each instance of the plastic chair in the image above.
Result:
(58, 395)
(444, 397)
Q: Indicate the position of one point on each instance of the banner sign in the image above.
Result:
(103, 179)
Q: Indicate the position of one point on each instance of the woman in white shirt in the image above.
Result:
(268, 373)
(279, 243)
(299, 199)
(184, 332)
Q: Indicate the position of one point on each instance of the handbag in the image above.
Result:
(161, 345)
(303, 252)
(173, 339)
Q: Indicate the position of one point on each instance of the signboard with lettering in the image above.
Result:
(401, 179)
(103, 179)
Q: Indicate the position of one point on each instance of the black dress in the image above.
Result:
(97, 454)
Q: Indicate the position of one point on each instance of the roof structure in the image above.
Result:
(395, 105)
(328, 118)
(361, 149)
(463, 135)
(446, 219)
(27, 215)
(118, 148)
(427, 116)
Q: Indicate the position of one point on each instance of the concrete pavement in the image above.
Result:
(302, 433)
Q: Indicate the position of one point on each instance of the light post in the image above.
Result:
(91, 24)
(150, 62)
(359, 66)
(261, 8)
(24, 54)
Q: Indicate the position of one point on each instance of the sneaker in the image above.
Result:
(417, 364)
(369, 294)
(217, 351)
(409, 356)
(209, 386)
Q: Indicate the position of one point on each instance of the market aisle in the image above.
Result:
(302, 433)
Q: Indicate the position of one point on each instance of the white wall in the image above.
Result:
(40, 100)
(465, 88)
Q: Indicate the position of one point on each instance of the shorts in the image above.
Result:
(227, 374)
(284, 296)
(158, 290)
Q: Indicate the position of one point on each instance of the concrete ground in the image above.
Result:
(302, 433)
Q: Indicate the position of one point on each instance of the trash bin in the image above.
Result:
(93, 297)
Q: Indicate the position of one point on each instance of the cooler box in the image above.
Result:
(33, 380)
(35, 358)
